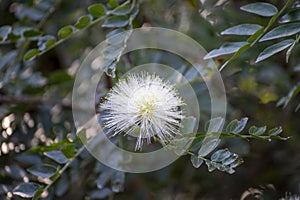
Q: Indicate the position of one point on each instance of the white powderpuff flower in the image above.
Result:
(143, 105)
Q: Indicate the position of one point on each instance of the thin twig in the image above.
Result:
(61, 171)
(269, 25)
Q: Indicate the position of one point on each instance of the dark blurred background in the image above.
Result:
(271, 169)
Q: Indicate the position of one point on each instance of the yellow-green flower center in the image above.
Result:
(146, 103)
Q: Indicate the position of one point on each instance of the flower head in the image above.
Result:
(143, 105)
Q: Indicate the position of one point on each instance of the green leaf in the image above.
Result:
(46, 42)
(236, 163)
(233, 157)
(31, 33)
(253, 130)
(235, 55)
(208, 146)
(210, 165)
(65, 32)
(291, 16)
(43, 171)
(97, 10)
(13, 37)
(281, 31)
(225, 49)
(4, 31)
(242, 29)
(236, 126)
(57, 156)
(260, 8)
(273, 49)
(83, 22)
(69, 150)
(275, 131)
(123, 10)
(113, 3)
(55, 78)
(26, 190)
(31, 54)
(220, 155)
(115, 22)
(49, 43)
(196, 162)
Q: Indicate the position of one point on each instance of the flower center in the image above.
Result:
(146, 102)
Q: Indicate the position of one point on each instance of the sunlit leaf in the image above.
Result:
(57, 156)
(236, 126)
(69, 150)
(46, 42)
(31, 54)
(242, 29)
(83, 21)
(236, 163)
(65, 32)
(97, 10)
(26, 190)
(220, 155)
(113, 3)
(225, 49)
(115, 22)
(291, 16)
(273, 49)
(253, 130)
(13, 36)
(43, 171)
(123, 10)
(230, 159)
(31, 33)
(210, 166)
(208, 146)
(282, 31)
(260, 8)
(196, 162)
(275, 131)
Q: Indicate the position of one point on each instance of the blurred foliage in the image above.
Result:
(42, 44)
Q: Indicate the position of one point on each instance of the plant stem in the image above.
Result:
(271, 22)
(62, 170)
(77, 30)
